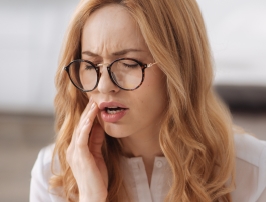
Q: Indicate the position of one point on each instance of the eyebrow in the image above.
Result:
(118, 53)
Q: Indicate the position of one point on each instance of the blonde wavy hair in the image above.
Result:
(196, 134)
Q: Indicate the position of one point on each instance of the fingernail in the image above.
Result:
(93, 105)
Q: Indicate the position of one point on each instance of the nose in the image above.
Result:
(105, 84)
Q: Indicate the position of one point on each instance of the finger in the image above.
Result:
(71, 147)
(83, 119)
(76, 132)
(95, 145)
(96, 140)
(87, 109)
(83, 137)
(89, 114)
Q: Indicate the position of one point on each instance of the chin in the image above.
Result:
(115, 130)
(115, 133)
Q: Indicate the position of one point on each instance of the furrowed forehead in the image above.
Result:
(111, 29)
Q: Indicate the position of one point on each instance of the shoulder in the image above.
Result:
(42, 166)
(45, 154)
(40, 176)
(249, 148)
(250, 169)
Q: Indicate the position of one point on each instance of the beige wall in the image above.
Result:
(31, 33)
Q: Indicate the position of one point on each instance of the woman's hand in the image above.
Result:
(85, 157)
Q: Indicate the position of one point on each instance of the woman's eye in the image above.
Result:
(89, 67)
(131, 65)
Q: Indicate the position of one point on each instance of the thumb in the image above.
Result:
(96, 140)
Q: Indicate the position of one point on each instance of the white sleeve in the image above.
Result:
(250, 169)
(40, 175)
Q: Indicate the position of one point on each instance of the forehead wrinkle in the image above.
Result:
(103, 38)
(117, 53)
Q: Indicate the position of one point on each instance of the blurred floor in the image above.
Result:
(22, 136)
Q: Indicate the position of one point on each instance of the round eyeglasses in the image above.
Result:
(126, 73)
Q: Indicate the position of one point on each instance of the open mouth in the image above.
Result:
(113, 110)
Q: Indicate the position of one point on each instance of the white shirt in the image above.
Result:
(250, 175)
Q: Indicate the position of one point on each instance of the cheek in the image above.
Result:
(153, 100)
(154, 87)
(158, 96)
(88, 95)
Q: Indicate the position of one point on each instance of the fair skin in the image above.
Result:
(108, 34)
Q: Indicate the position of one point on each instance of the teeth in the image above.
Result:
(113, 110)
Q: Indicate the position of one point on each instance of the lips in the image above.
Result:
(112, 111)
(104, 105)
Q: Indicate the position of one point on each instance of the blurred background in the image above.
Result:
(31, 34)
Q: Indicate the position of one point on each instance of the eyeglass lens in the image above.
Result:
(125, 73)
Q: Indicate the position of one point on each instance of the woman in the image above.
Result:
(136, 116)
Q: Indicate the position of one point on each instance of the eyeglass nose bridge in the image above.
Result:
(111, 75)
(101, 65)
(108, 66)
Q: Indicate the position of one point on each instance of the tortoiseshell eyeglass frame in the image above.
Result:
(109, 66)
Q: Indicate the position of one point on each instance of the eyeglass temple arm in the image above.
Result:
(150, 64)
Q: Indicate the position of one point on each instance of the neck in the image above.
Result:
(145, 146)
